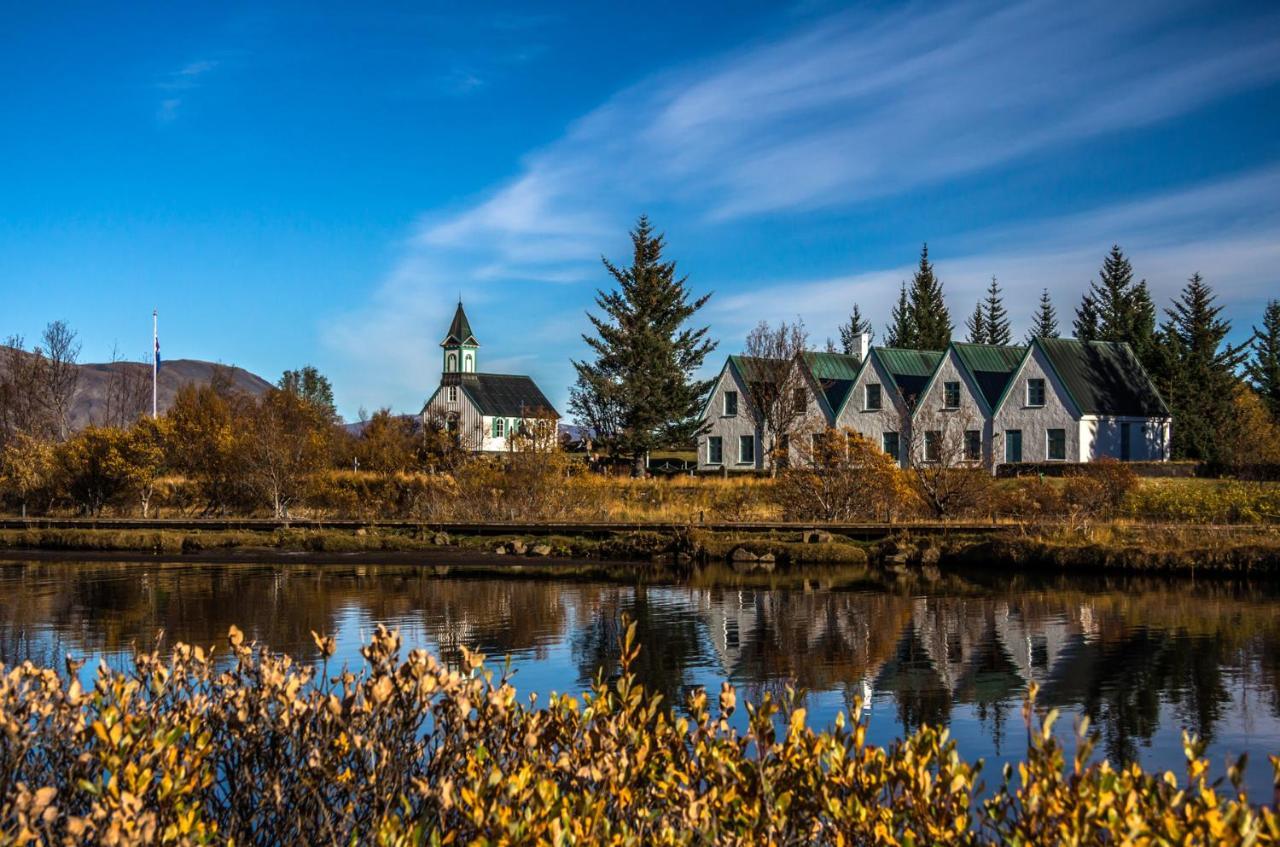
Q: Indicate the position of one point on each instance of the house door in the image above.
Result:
(1013, 445)
(1125, 434)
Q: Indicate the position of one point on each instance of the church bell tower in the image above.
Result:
(460, 345)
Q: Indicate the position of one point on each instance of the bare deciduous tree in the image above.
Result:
(776, 384)
(128, 394)
(22, 411)
(948, 471)
(61, 374)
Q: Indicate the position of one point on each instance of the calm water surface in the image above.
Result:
(1144, 659)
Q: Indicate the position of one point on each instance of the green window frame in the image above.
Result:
(730, 404)
(746, 449)
(715, 450)
(889, 443)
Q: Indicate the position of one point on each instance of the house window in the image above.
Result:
(1057, 449)
(746, 449)
(873, 403)
(951, 395)
(890, 443)
(453, 394)
(1013, 445)
(730, 404)
(499, 427)
(1035, 392)
(715, 450)
(800, 398)
(933, 446)
(972, 445)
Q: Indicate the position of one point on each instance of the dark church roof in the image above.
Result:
(503, 395)
(459, 330)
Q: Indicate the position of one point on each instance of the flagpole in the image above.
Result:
(155, 370)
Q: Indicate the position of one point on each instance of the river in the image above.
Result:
(1143, 658)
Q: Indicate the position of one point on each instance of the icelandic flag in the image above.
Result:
(157, 354)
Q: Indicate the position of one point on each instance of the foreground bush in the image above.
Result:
(411, 752)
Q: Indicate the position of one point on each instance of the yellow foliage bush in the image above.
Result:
(258, 749)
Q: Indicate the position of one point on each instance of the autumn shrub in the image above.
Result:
(255, 748)
(842, 476)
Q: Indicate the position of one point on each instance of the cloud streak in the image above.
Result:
(843, 114)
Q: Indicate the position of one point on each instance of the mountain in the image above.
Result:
(100, 386)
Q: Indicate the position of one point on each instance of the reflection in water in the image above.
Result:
(1143, 659)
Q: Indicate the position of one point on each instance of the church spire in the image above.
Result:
(460, 344)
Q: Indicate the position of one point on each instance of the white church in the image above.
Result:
(485, 410)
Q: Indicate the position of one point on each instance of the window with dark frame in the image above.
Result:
(800, 398)
(1057, 446)
(746, 449)
(715, 450)
(890, 443)
(1035, 392)
(730, 404)
(933, 445)
(972, 445)
(873, 401)
(951, 395)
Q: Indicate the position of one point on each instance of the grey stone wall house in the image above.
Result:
(954, 415)
(733, 432)
(884, 394)
(1077, 401)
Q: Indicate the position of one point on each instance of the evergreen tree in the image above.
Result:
(1118, 309)
(1264, 363)
(996, 318)
(930, 319)
(1044, 324)
(851, 331)
(639, 393)
(977, 326)
(1201, 371)
(901, 332)
(1085, 324)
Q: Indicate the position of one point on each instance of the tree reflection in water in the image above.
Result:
(1141, 658)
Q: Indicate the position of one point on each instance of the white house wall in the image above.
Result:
(1100, 437)
(729, 429)
(1058, 412)
(873, 424)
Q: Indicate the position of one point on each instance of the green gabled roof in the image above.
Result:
(459, 330)
(909, 369)
(753, 368)
(835, 374)
(991, 366)
(1104, 377)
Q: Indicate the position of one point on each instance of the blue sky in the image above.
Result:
(315, 183)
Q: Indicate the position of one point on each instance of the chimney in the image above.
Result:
(864, 345)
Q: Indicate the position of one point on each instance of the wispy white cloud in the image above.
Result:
(846, 112)
(177, 83)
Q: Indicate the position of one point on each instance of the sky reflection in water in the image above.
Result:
(1143, 658)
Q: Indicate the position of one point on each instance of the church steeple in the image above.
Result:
(460, 345)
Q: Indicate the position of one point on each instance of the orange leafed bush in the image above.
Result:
(258, 749)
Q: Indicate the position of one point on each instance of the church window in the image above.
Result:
(468, 364)
(452, 363)
(453, 394)
(499, 427)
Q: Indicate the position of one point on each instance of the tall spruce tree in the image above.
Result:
(996, 318)
(1201, 371)
(1263, 366)
(1044, 324)
(639, 393)
(851, 331)
(929, 316)
(1116, 308)
(977, 326)
(901, 331)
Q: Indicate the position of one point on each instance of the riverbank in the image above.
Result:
(1105, 547)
